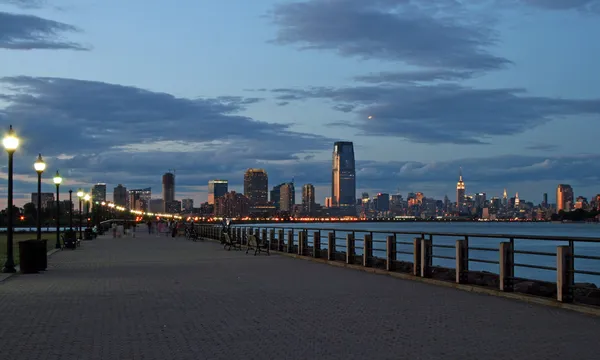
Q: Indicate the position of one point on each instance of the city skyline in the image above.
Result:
(405, 101)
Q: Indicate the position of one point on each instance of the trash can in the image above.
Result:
(42, 254)
(88, 234)
(28, 256)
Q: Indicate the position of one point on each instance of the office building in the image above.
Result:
(460, 193)
(343, 182)
(383, 202)
(216, 189)
(139, 199)
(120, 195)
(287, 197)
(156, 206)
(187, 205)
(308, 199)
(47, 199)
(564, 197)
(168, 187)
(99, 193)
(275, 196)
(256, 186)
(173, 207)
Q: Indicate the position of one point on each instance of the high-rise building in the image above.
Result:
(343, 182)
(308, 199)
(120, 195)
(564, 197)
(256, 186)
(47, 199)
(99, 192)
(328, 201)
(504, 199)
(173, 207)
(168, 187)
(460, 192)
(545, 200)
(187, 205)
(287, 197)
(139, 199)
(383, 202)
(216, 189)
(275, 195)
(156, 206)
(231, 204)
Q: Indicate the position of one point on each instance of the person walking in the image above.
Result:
(114, 229)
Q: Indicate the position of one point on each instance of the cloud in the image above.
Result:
(25, 4)
(582, 5)
(442, 113)
(27, 32)
(428, 75)
(433, 34)
(542, 147)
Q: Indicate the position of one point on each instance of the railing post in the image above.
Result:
(426, 258)
(263, 236)
(417, 256)
(317, 244)
(367, 249)
(238, 235)
(507, 267)
(301, 242)
(564, 285)
(462, 262)
(349, 249)
(290, 242)
(271, 238)
(331, 246)
(390, 249)
(280, 240)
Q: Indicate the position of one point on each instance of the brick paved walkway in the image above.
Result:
(164, 298)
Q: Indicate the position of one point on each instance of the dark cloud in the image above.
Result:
(415, 76)
(583, 5)
(27, 32)
(421, 33)
(542, 147)
(443, 113)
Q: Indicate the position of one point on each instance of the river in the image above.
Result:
(503, 228)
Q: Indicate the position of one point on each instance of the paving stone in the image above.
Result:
(163, 298)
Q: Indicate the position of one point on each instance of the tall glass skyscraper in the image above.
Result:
(343, 182)
(256, 186)
(216, 189)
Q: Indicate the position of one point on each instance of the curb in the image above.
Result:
(4, 277)
(530, 299)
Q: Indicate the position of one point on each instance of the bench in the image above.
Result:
(231, 244)
(257, 246)
(70, 240)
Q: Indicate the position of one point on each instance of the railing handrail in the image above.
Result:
(436, 233)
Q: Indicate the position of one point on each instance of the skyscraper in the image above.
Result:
(308, 199)
(275, 195)
(139, 199)
(287, 197)
(99, 192)
(168, 187)
(256, 186)
(187, 205)
(120, 195)
(460, 192)
(564, 197)
(343, 174)
(216, 189)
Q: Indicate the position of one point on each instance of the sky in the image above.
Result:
(119, 92)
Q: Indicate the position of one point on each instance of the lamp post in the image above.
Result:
(11, 143)
(70, 209)
(57, 180)
(80, 195)
(39, 167)
(87, 209)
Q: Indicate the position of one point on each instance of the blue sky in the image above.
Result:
(119, 92)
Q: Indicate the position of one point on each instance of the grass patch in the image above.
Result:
(51, 237)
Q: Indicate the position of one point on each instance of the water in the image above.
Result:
(494, 228)
(34, 229)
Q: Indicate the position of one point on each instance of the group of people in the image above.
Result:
(168, 227)
(122, 229)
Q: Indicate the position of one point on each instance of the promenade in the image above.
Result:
(164, 298)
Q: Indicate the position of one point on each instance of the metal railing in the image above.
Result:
(567, 268)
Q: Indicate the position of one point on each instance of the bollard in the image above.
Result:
(290, 242)
(349, 249)
(417, 256)
(331, 246)
(462, 261)
(564, 284)
(317, 244)
(390, 249)
(367, 249)
(301, 242)
(507, 267)
(280, 240)
(426, 258)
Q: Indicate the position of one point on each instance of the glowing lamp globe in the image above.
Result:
(79, 193)
(86, 197)
(57, 179)
(39, 164)
(10, 141)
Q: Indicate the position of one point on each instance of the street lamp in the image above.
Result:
(57, 180)
(11, 143)
(87, 209)
(39, 167)
(80, 195)
(70, 210)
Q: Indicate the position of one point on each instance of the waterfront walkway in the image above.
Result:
(165, 298)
